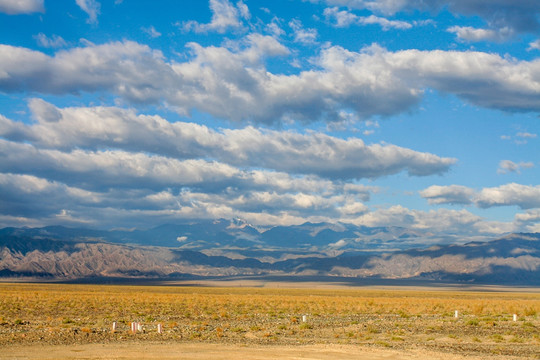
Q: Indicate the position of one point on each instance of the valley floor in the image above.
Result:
(64, 321)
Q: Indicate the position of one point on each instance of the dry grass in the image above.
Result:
(51, 313)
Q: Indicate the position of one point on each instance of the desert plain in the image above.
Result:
(253, 320)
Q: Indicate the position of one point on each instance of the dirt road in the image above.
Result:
(198, 351)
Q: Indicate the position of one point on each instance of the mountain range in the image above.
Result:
(233, 248)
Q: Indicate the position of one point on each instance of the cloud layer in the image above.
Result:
(234, 84)
(286, 151)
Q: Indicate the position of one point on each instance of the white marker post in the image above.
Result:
(139, 327)
(456, 314)
(514, 317)
(114, 326)
(304, 318)
(159, 329)
(134, 327)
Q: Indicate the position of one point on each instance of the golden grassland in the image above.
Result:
(80, 314)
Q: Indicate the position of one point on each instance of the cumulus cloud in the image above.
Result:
(114, 187)
(447, 221)
(342, 18)
(535, 45)
(225, 16)
(313, 153)
(441, 220)
(384, 23)
(54, 41)
(234, 83)
(15, 7)
(90, 7)
(523, 196)
(302, 35)
(31, 196)
(507, 166)
(528, 216)
(453, 194)
(262, 197)
(467, 33)
(104, 169)
(98, 170)
(274, 28)
(529, 220)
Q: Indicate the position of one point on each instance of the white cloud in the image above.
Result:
(467, 33)
(507, 166)
(529, 216)
(384, 23)
(535, 45)
(225, 16)
(526, 135)
(30, 196)
(293, 200)
(90, 7)
(116, 169)
(302, 35)
(341, 18)
(522, 138)
(520, 16)
(445, 221)
(453, 194)
(15, 7)
(344, 18)
(54, 41)
(233, 82)
(243, 9)
(441, 220)
(151, 31)
(523, 196)
(274, 28)
(312, 153)
(529, 221)
(124, 68)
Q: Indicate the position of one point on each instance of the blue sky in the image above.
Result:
(124, 114)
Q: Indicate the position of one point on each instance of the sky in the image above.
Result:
(131, 114)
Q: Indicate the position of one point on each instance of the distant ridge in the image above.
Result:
(59, 253)
(222, 233)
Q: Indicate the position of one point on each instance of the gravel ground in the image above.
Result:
(43, 319)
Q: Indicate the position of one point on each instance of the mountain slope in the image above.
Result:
(514, 259)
